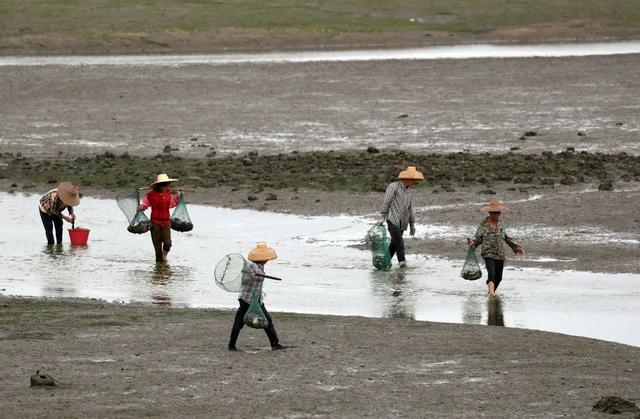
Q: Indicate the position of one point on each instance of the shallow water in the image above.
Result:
(428, 53)
(322, 274)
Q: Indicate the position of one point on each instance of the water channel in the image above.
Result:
(322, 273)
(427, 53)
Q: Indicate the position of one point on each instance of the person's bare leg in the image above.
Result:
(491, 288)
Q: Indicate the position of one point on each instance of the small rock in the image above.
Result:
(530, 134)
(395, 293)
(606, 185)
(487, 192)
(169, 149)
(514, 148)
(615, 405)
(271, 197)
(252, 198)
(42, 379)
(404, 115)
(317, 200)
(193, 139)
(246, 162)
(14, 185)
(568, 180)
(372, 150)
(253, 153)
(571, 150)
(581, 134)
(619, 124)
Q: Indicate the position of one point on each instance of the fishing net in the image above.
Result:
(255, 316)
(471, 269)
(378, 244)
(129, 202)
(231, 272)
(180, 220)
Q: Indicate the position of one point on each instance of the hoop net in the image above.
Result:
(229, 272)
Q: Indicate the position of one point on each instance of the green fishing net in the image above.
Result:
(379, 245)
(138, 221)
(180, 220)
(471, 269)
(255, 316)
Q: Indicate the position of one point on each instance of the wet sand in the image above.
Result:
(135, 361)
(140, 361)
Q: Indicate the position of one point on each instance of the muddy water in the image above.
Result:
(322, 273)
(430, 53)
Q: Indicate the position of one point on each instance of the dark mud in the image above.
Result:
(352, 171)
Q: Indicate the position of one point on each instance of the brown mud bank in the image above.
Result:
(113, 360)
(570, 210)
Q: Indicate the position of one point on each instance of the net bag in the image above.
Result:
(138, 222)
(231, 272)
(471, 269)
(379, 245)
(180, 220)
(255, 316)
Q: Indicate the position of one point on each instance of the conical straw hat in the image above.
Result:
(163, 178)
(411, 174)
(69, 193)
(494, 206)
(262, 253)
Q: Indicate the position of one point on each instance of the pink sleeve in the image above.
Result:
(145, 203)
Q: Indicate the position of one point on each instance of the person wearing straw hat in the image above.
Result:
(160, 198)
(490, 234)
(397, 211)
(252, 285)
(65, 196)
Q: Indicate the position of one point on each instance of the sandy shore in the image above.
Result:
(142, 361)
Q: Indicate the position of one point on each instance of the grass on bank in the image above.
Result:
(355, 171)
(116, 18)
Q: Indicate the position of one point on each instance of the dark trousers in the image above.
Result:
(49, 221)
(494, 270)
(161, 239)
(238, 323)
(397, 242)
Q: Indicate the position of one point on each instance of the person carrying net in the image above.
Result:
(252, 286)
(397, 211)
(160, 199)
(490, 234)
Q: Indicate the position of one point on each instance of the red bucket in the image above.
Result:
(79, 236)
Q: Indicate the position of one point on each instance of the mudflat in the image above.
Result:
(140, 361)
(556, 139)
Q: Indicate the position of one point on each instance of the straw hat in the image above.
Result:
(163, 178)
(262, 253)
(494, 206)
(69, 194)
(411, 174)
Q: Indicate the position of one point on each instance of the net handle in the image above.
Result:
(269, 276)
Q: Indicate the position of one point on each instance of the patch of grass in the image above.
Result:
(74, 17)
(30, 336)
(352, 171)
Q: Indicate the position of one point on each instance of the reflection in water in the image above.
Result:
(495, 315)
(160, 277)
(471, 311)
(396, 292)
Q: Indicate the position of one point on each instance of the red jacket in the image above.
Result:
(160, 204)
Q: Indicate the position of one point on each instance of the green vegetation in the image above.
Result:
(353, 171)
(116, 18)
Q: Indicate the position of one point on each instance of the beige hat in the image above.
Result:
(411, 174)
(262, 253)
(494, 206)
(69, 194)
(163, 178)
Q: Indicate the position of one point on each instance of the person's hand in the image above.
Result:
(412, 229)
(73, 217)
(380, 221)
(470, 242)
(519, 250)
(140, 208)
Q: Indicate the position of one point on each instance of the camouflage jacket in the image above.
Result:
(491, 240)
